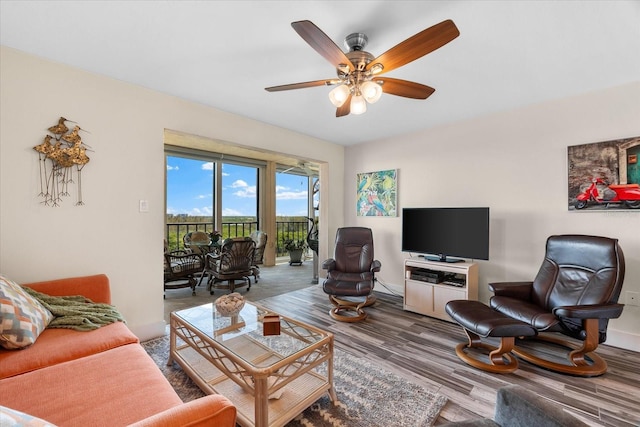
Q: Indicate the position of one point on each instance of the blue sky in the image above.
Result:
(190, 189)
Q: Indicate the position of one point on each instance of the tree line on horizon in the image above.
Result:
(182, 218)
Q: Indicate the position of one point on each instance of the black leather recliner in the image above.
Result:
(575, 293)
(351, 274)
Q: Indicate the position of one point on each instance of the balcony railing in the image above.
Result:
(284, 230)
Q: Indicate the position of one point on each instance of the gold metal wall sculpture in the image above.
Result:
(58, 156)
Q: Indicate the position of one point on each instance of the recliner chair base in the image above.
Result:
(479, 320)
(345, 305)
(583, 361)
(500, 358)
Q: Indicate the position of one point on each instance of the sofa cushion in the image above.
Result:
(12, 418)
(95, 287)
(61, 345)
(120, 386)
(207, 411)
(23, 317)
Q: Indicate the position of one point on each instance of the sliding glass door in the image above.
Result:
(213, 192)
(204, 194)
(296, 206)
(239, 200)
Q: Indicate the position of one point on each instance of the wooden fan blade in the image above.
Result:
(405, 88)
(302, 85)
(322, 43)
(345, 108)
(417, 46)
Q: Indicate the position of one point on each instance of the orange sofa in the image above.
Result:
(97, 378)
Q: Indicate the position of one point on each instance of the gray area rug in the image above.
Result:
(368, 395)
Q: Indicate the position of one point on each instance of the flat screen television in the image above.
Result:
(446, 234)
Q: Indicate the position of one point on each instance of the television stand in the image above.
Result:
(430, 285)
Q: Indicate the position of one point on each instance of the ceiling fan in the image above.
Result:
(358, 71)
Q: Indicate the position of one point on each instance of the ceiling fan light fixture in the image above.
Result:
(358, 104)
(339, 95)
(371, 91)
(358, 69)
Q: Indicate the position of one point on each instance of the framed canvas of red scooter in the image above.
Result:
(604, 176)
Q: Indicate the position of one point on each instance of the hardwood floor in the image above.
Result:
(421, 349)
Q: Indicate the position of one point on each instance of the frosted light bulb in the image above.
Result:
(358, 105)
(339, 95)
(371, 91)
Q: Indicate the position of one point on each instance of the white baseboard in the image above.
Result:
(622, 339)
(149, 331)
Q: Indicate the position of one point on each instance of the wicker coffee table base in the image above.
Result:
(217, 369)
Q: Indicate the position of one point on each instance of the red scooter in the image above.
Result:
(628, 194)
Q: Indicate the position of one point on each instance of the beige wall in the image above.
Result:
(515, 163)
(108, 234)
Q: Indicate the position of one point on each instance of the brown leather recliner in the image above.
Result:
(351, 273)
(575, 293)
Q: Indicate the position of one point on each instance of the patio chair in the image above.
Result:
(180, 269)
(234, 262)
(260, 239)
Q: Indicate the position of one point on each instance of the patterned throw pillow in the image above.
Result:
(12, 418)
(22, 318)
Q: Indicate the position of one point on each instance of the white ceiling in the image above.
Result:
(224, 53)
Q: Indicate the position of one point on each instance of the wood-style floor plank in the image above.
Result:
(421, 349)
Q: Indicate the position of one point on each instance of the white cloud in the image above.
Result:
(286, 194)
(203, 196)
(209, 167)
(172, 168)
(247, 192)
(239, 184)
(231, 212)
(244, 190)
(302, 212)
(204, 211)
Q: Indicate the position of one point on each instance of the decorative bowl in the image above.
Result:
(230, 305)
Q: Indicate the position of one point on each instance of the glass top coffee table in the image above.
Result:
(269, 378)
